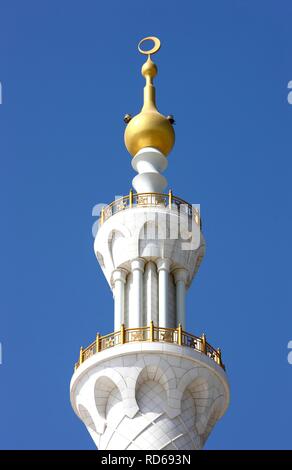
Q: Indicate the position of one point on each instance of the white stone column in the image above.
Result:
(163, 266)
(180, 279)
(119, 280)
(151, 301)
(135, 314)
(149, 162)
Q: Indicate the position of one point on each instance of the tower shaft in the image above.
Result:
(149, 384)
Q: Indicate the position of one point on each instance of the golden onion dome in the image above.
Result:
(149, 128)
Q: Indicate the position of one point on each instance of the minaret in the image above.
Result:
(150, 384)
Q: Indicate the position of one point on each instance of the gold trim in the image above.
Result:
(170, 198)
(102, 216)
(97, 344)
(151, 331)
(122, 333)
(81, 355)
(179, 334)
(131, 198)
(204, 348)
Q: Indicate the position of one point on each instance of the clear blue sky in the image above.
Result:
(69, 72)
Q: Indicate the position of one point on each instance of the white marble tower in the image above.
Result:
(149, 385)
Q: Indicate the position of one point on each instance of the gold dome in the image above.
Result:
(149, 128)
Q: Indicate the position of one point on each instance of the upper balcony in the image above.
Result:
(143, 200)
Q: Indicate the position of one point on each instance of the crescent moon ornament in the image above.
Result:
(154, 49)
(149, 128)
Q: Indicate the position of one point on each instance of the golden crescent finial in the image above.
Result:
(149, 128)
(154, 49)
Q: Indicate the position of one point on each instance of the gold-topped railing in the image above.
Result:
(151, 333)
(150, 200)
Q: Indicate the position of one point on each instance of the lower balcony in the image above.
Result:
(151, 333)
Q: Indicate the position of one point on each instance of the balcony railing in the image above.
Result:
(151, 333)
(150, 200)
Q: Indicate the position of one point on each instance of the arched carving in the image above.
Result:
(201, 391)
(151, 397)
(86, 417)
(149, 241)
(100, 259)
(116, 246)
(104, 385)
(160, 372)
(157, 371)
(102, 390)
(213, 415)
